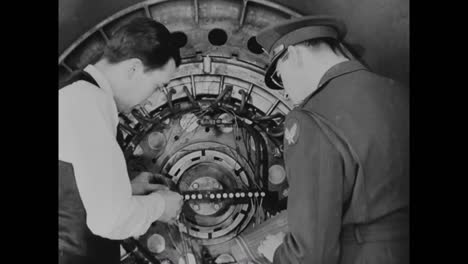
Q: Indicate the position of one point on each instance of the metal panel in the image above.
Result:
(387, 54)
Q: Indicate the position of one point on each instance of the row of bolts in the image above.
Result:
(225, 195)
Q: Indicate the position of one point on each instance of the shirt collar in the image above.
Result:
(99, 78)
(336, 70)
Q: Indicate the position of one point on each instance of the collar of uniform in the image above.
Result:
(337, 70)
(99, 77)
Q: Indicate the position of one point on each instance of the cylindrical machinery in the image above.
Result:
(214, 132)
(244, 247)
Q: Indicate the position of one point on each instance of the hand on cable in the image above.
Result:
(173, 206)
(268, 247)
(143, 183)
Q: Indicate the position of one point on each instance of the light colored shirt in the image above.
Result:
(88, 120)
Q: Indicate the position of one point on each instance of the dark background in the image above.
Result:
(380, 26)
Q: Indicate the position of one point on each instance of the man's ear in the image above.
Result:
(295, 55)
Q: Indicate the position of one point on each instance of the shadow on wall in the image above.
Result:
(76, 17)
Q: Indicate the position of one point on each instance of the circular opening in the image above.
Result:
(253, 46)
(176, 138)
(207, 129)
(217, 37)
(179, 38)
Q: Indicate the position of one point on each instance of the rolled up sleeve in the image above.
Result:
(87, 140)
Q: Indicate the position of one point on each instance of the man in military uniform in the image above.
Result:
(98, 205)
(346, 150)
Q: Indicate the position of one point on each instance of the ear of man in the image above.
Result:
(294, 55)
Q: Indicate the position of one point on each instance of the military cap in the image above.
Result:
(276, 39)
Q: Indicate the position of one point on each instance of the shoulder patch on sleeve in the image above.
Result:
(291, 131)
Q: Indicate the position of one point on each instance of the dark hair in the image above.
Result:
(145, 39)
(334, 44)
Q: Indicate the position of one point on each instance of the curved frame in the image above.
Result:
(145, 6)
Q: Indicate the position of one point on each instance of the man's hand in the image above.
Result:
(268, 247)
(173, 202)
(141, 184)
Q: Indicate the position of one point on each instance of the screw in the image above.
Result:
(195, 186)
(216, 206)
(217, 186)
(196, 207)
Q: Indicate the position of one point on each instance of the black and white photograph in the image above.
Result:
(233, 131)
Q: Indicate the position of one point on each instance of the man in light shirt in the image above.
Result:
(98, 205)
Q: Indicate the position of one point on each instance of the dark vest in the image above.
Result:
(77, 244)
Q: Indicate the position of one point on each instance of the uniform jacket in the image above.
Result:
(346, 150)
